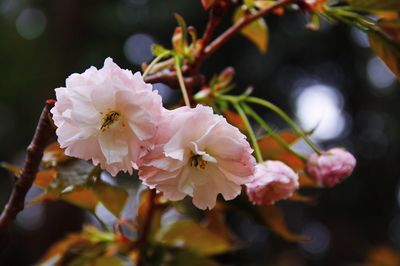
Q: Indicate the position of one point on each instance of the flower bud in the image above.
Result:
(273, 181)
(331, 167)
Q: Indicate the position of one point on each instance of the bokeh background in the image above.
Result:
(328, 77)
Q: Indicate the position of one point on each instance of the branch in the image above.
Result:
(216, 14)
(246, 20)
(146, 229)
(44, 131)
(170, 79)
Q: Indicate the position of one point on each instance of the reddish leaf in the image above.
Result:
(387, 50)
(235, 119)
(292, 160)
(273, 217)
(44, 178)
(391, 28)
(271, 148)
(207, 3)
(217, 224)
(304, 199)
(82, 197)
(306, 181)
(383, 255)
(53, 155)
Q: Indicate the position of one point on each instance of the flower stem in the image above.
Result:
(154, 62)
(285, 117)
(271, 132)
(250, 131)
(181, 81)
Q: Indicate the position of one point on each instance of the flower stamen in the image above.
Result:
(109, 119)
(198, 162)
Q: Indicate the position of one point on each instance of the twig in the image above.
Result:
(44, 131)
(246, 20)
(147, 226)
(216, 14)
(170, 79)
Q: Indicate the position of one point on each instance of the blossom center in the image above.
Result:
(108, 119)
(198, 162)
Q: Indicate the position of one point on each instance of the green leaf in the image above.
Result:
(194, 237)
(249, 3)
(157, 50)
(107, 261)
(376, 4)
(180, 37)
(113, 198)
(11, 168)
(387, 50)
(257, 31)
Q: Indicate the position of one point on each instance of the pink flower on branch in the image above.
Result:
(106, 115)
(331, 167)
(199, 154)
(273, 181)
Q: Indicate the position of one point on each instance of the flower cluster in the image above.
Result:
(112, 117)
(115, 119)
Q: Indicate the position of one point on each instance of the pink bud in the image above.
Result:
(273, 181)
(331, 167)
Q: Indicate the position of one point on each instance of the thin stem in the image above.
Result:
(181, 82)
(154, 62)
(250, 131)
(237, 27)
(285, 117)
(271, 132)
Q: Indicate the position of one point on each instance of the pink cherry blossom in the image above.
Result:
(106, 115)
(199, 154)
(273, 181)
(331, 167)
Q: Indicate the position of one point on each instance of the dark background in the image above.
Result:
(42, 42)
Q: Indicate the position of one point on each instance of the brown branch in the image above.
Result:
(44, 131)
(246, 20)
(215, 16)
(170, 79)
(143, 238)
